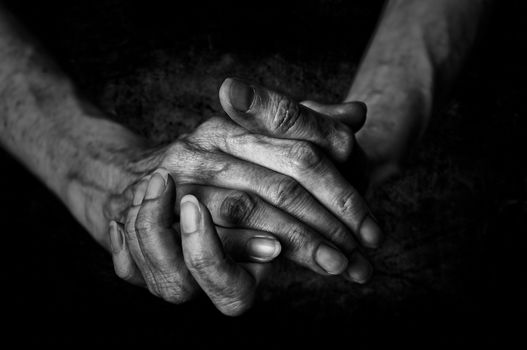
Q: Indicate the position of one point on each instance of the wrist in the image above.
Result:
(398, 111)
(106, 162)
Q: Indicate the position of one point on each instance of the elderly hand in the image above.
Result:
(284, 187)
(148, 249)
(309, 131)
(257, 184)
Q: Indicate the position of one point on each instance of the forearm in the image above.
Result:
(80, 156)
(413, 58)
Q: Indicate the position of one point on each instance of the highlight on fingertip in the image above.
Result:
(370, 233)
(263, 248)
(190, 214)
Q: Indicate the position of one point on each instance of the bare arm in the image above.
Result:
(60, 137)
(413, 58)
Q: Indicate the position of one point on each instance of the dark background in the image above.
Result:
(452, 270)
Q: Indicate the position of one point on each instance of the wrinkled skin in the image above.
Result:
(268, 171)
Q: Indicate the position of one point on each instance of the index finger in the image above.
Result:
(270, 113)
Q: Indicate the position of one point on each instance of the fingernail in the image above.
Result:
(370, 233)
(359, 269)
(241, 95)
(330, 259)
(116, 238)
(263, 248)
(157, 184)
(190, 214)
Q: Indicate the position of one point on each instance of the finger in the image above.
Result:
(229, 286)
(249, 245)
(352, 114)
(118, 204)
(304, 163)
(123, 263)
(276, 189)
(300, 243)
(359, 270)
(266, 112)
(130, 220)
(162, 258)
(157, 216)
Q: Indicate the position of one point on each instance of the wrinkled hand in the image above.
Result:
(148, 250)
(286, 187)
(312, 130)
(243, 179)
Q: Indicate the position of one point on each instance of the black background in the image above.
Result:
(452, 269)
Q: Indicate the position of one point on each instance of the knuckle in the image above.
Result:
(185, 146)
(238, 207)
(175, 294)
(285, 116)
(181, 146)
(286, 192)
(349, 204)
(296, 240)
(304, 156)
(200, 263)
(204, 137)
(171, 157)
(345, 141)
(243, 138)
(144, 226)
(171, 288)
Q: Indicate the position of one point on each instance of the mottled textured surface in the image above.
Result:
(448, 273)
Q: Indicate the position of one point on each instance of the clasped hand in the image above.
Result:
(273, 179)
